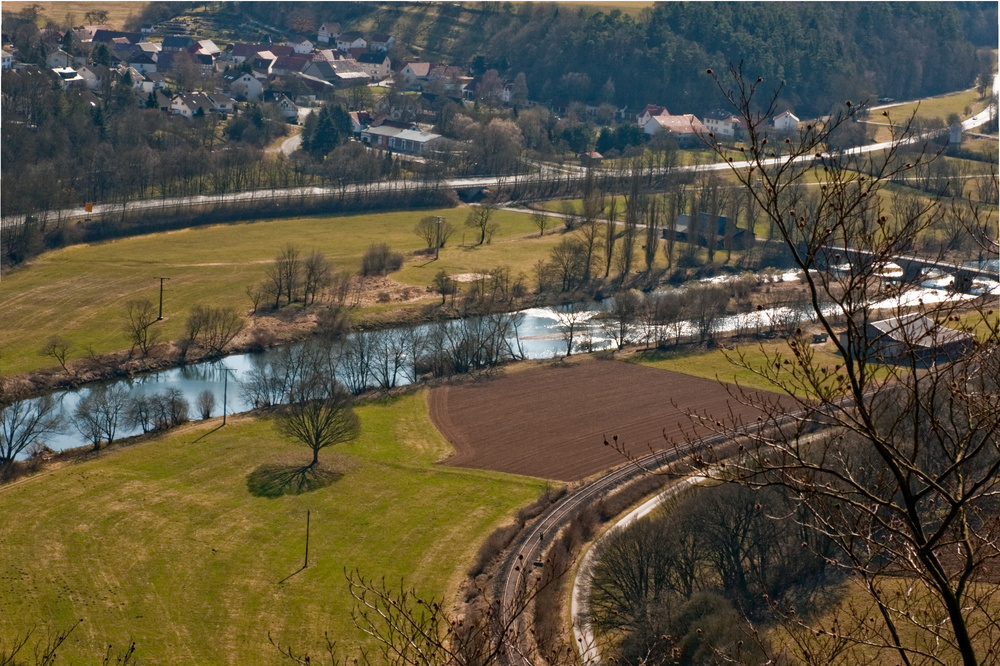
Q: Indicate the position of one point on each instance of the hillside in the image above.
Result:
(824, 52)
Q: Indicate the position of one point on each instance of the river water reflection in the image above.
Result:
(539, 335)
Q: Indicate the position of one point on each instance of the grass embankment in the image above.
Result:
(80, 292)
(163, 543)
(722, 364)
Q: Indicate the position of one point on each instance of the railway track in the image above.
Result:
(524, 558)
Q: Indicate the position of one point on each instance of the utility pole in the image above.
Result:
(161, 279)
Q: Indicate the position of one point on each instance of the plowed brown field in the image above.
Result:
(551, 422)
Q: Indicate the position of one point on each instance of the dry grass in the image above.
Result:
(79, 292)
(164, 543)
(69, 14)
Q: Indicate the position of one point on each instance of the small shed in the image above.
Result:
(683, 231)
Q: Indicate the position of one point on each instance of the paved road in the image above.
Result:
(551, 173)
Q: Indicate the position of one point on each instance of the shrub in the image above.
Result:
(380, 260)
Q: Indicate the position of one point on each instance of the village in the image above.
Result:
(181, 74)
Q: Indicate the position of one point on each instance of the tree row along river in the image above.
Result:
(535, 333)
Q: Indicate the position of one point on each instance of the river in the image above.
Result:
(539, 335)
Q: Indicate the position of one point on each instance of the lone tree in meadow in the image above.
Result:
(320, 415)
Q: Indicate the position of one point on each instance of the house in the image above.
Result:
(153, 81)
(103, 35)
(205, 61)
(119, 74)
(344, 72)
(349, 73)
(162, 102)
(649, 111)
(238, 53)
(785, 122)
(327, 32)
(682, 231)
(262, 62)
(8, 60)
(149, 47)
(58, 59)
(329, 55)
(95, 76)
(382, 42)
(68, 77)
(286, 65)
(206, 46)
(85, 96)
(351, 40)
(51, 38)
(412, 140)
(190, 105)
(359, 120)
(176, 43)
(909, 337)
(724, 125)
(222, 103)
(685, 129)
(86, 33)
(194, 104)
(301, 45)
(414, 73)
(321, 69)
(287, 108)
(376, 65)
(143, 62)
(282, 50)
(243, 85)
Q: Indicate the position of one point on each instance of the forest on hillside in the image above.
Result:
(824, 52)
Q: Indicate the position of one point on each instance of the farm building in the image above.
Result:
(682, 229)
(410, 140)
(911, 337)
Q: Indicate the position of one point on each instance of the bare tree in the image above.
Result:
(444, 285)
(410, 628)
(570, 216)
(24, 422)
(610, 235)
(540, 218)
(58, 348)
(289, 266)
(903, 473)
(320, 415)
(619, 321)
(212, 328)
(255, 293)
(480, 218)
(206, 403)
(140, 315)
(652, 240)
(99, 413)
(317, 274)
(434, 231)
(571, 318)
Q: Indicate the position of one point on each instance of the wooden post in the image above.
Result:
(306, 562)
